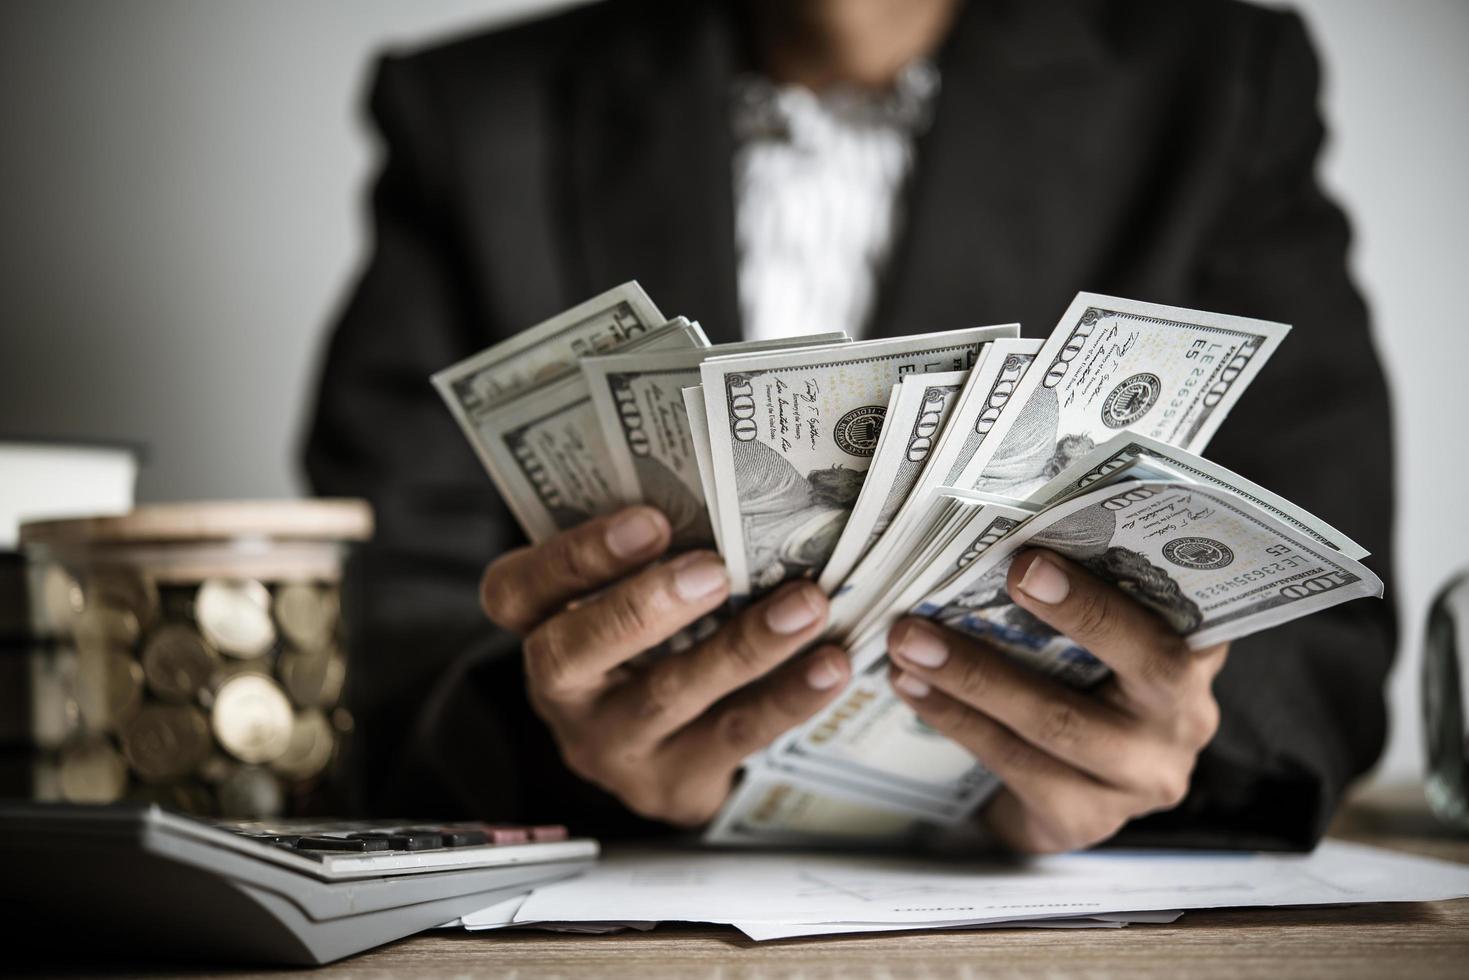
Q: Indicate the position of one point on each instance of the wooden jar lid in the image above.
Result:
(341, 519)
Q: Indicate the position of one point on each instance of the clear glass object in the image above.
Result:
(190, 655)
(1445, 697)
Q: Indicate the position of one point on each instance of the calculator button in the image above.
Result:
(285, 840)
(506, 834)
(402, 841)
(340, 844)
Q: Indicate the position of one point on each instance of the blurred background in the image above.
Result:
(182, 189)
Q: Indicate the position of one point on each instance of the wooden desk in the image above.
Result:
(1397, 941)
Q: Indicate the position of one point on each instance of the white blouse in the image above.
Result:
(819, 182)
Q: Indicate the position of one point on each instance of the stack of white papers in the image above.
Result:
(782, 895)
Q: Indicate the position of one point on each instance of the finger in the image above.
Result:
(675, 691)
(1067, 807)
(569, 655)
(1151, 660)
(1080, 730)
(719, 741)
(524, 586)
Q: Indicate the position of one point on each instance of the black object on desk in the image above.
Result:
(289, 892)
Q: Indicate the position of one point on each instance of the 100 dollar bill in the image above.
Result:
(771, 807)
(870, 742)
(545, 452)
(994, 382)
(1212, 564)
(792, 435)
(475, 385)
(1166, 373)
(911, 432)
(639, 404)
(1127, 449)
(991, 385)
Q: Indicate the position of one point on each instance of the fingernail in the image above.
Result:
(922, 647)
(632, 534)
(792, 612)
(911, 686)
(823, 675)
(1044, 582)
(699, 577)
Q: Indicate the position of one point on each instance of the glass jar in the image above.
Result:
(1445, 697)
(190, 654)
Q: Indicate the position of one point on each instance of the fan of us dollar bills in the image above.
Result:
(903, 475)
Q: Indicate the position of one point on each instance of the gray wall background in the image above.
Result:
(181, 210)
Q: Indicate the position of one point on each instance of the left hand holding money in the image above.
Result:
(1077, 765)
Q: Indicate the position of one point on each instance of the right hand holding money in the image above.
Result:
(668, 737)
(1077, 765)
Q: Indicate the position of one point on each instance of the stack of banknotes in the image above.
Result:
(903, 475)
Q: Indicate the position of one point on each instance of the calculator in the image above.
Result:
(162, 884)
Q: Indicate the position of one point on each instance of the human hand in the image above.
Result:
(1076, 765)
(665, 738)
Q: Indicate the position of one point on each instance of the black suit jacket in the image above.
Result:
(1144, 148)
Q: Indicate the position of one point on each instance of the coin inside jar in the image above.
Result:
(121, 587)
(310, 749)
(177, 663)
(313, 678)
(54, 714)
(214, 769)
(109, 688)
(101, 628)
(61, 601)
(250, 792)
(307, 614)
(166, 741)
(252, 718)
(234, 615)
(91, 771)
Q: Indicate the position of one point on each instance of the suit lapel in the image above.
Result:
(1001, 222)
(649, 180)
